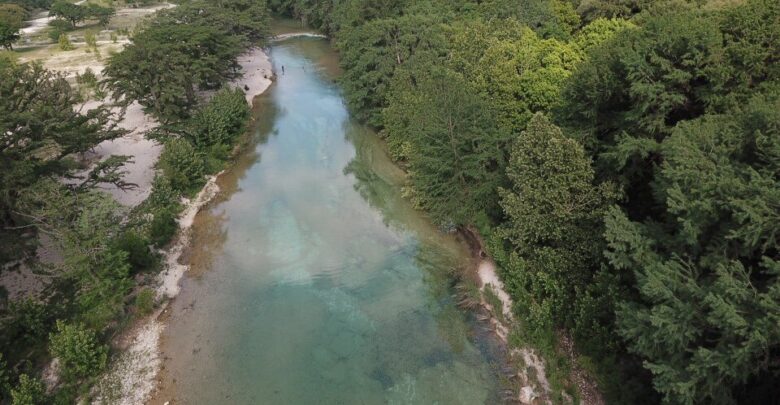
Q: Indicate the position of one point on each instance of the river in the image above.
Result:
(313, 281)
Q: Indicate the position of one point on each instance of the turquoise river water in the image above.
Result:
(313, 281)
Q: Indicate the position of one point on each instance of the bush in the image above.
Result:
(163, 227)
(80, 353)
(139, 255)
(182, 164)
(220, 121)
(64, 42)
(29, 391)
(163, 196)
(144, 301)
(90, 82)
(91, 39)
(26, 322)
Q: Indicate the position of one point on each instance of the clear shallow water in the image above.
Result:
(313, 281)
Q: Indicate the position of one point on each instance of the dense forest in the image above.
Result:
(177, 66)
(621, 158)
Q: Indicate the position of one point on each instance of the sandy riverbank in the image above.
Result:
(132, 376)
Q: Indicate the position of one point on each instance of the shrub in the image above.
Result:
(80, 353)
(221, 120)
(182, 164)
(91, 39)
(64, 42)
(163, 196)
(137, 247)
(163, 227)
(29, 391)
(144, 301)
(26, 321)
(89, 81)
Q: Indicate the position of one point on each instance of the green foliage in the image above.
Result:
(26, 322)
(591, 10)
(553, 210)
(163, 204)
(32, 4)
(101, 14)
(708, 279)
(75, 13)
(450, 144)
(677, 106)
(371, 53)
(85, 224)
(90, 83)
(42, 131)
(549, 18)
(90, 39)
(11, 19)
(80, 353)
(182, 164)
(13, 14)
(64, 43)
(144, 301)
(220, 121)
(68, 11)
(5, 383)
(163, 227)
(29, 391)
(168, 62)
(599, 31)
(136, 246)
(523, 75)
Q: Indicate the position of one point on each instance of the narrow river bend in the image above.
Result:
(313, 281)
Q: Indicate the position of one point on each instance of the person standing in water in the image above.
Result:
(282, 70)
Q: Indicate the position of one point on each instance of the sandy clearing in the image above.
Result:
(143, 153)
(257, 73)
(37, 24)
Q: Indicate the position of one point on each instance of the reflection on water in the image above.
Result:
(313, 281)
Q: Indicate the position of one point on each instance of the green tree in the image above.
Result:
(453, 148)
(548, 18)
(100, 13)
(524, 75)
(64, 43)
(68, 11)
(164, 66)
(11, 20)
(79, 351)
(599, 31)
(43, 131)
(370, 54)
(554, 210)
(707, 270)
(83, 223)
